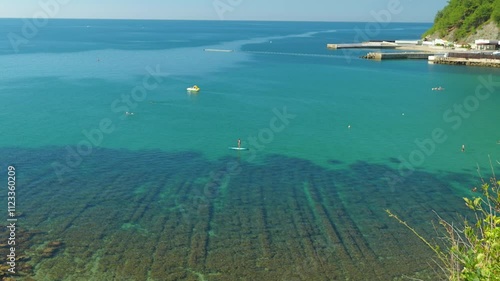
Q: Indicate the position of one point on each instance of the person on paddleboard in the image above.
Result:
(239, 143)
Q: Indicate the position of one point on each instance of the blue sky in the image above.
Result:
(293, 10)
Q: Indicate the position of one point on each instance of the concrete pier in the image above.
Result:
(365, 45)
(464, 61)
(397, 56)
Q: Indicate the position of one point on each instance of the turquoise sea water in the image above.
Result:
(334, 141)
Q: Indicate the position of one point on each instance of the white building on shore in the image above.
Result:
(438, 43)
(485, 44)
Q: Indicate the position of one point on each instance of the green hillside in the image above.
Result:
(462, 17)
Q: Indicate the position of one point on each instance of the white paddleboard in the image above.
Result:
(237, 148)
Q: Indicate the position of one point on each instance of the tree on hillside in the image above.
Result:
(496, 11)
(464, 17)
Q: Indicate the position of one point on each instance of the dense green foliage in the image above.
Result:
(479, 253)
(464, 16)
(496, 11)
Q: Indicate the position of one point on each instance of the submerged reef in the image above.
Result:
(179, 216)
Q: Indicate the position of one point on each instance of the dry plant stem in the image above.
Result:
(412, 230)
(472, 251)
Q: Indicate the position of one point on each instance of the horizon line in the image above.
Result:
(232, 20)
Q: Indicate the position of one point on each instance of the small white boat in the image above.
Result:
(438, 88)
(193, 89)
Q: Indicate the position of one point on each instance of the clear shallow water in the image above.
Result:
(163, 196)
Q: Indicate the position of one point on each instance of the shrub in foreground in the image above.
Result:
(473, 250)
